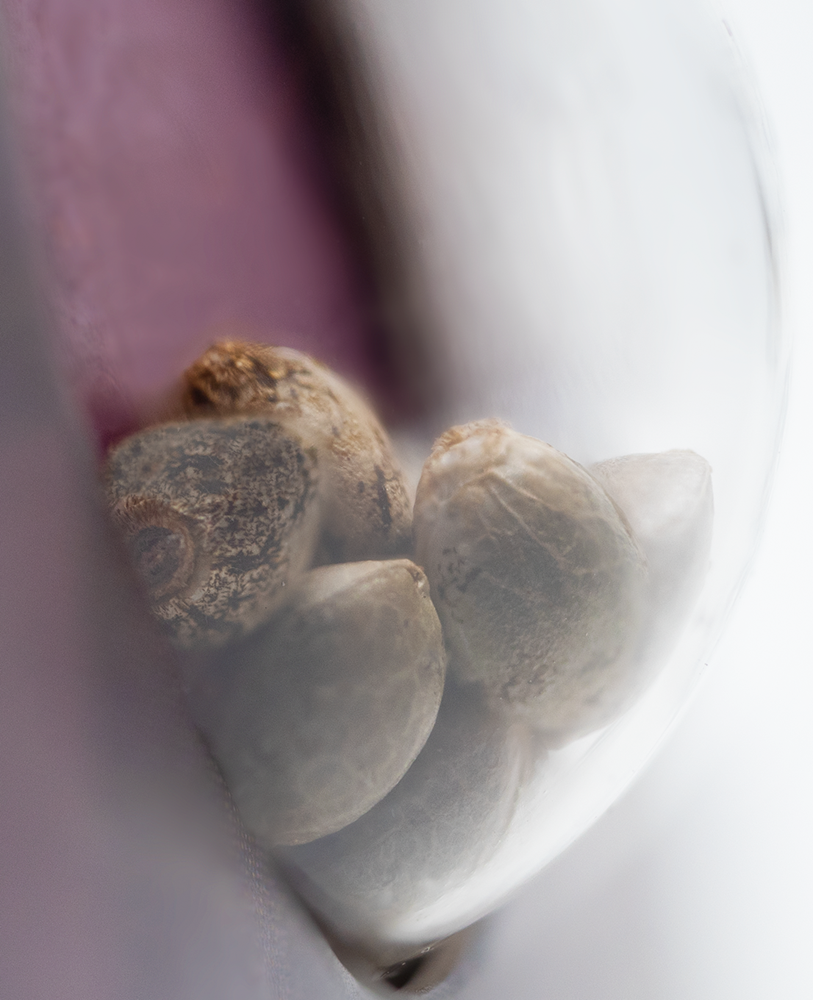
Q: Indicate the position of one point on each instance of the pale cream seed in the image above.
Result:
(668, 501)
(321, 713)
(434, 831)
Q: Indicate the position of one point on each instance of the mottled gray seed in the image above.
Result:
(324, 709)
(537, 579)
(219, 515)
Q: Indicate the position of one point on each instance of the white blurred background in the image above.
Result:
(699, 882)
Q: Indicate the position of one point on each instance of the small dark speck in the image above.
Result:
(263, 376)
(383, 499)
(199, 398)
(360, 486)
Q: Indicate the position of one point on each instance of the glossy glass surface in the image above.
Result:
(593, 223)
(587, 213)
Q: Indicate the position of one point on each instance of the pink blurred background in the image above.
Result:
(181, 191)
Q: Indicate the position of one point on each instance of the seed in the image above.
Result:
(430, 835)
(668, 502)
(366, 509)
(324, 710)
(219, 515)
(538, 582)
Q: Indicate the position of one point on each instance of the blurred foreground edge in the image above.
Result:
(125, 873)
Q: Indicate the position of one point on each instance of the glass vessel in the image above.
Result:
(568, 223)
(590, 219)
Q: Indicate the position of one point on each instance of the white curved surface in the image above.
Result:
(698, 883)
(591, 221)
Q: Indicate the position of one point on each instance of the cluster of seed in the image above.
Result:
(271, 526)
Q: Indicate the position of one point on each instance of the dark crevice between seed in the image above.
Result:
(402, 973)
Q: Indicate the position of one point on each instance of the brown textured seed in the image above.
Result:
(537, 580)
(219, 515)
(366, 510)
(325, 709)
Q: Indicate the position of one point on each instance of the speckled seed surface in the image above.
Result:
(431, 833)
(537, 580)
(330, 704)
(219, 515)
(367, 512)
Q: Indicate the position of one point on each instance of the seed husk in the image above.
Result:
(322, 711)
(366, 509)
(538, 581)
(435, 829)
(668, 501)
